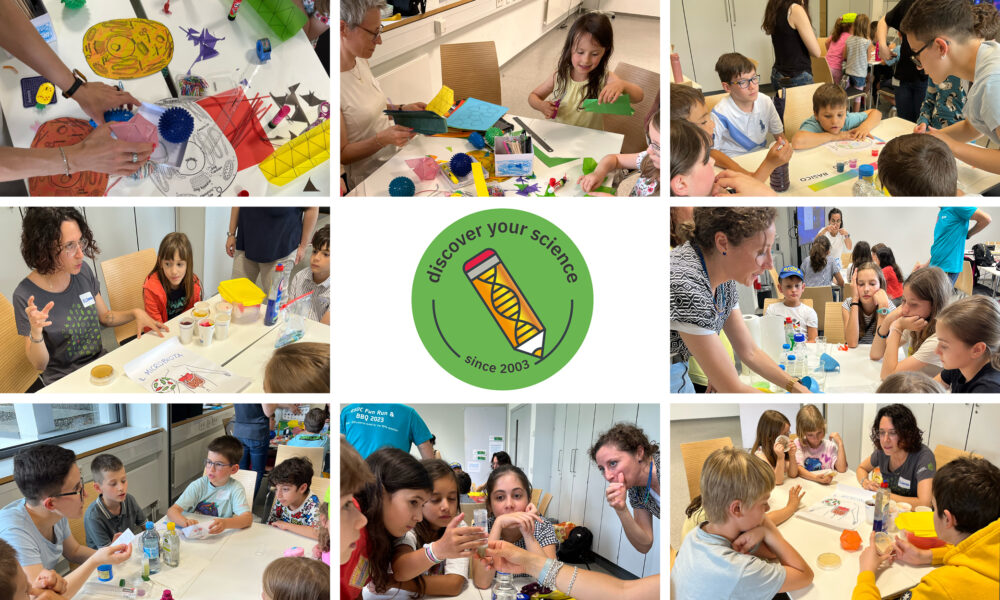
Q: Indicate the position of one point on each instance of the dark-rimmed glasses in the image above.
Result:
(375, 33)
(745, 83)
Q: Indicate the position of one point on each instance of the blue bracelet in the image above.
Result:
(545, 568)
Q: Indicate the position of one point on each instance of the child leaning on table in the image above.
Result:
(216, 493)
(729, 551)
(646, 162)
(696, 514)
(299, 368)
(14, 583)
(766, 446)
(316, 278)
(791, 280)
(294, 507)
(171, 287)
(918, 165)
(115, 510)
(831, 120)
(296, 578)
(967, 517)
(692, 168)
(968, 333)
(812, 452)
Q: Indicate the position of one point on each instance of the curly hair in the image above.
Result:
(818, 252)
(627, 438)
(909, 435)
(8, 570)
(41, 229)
(294, 471)
(737, 222)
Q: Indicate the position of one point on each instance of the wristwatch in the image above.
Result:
(80, 79)
(790, 385)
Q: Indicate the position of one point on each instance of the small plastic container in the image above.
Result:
(513, 165)
(201, 310)
(102, 374)
(206, 331)
(104, 573)
(223, 308)
(246, 299)
(222, 321)
(186, 330)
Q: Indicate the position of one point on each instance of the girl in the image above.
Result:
(908, 382)
(969, 345)
(692, 168)
(439, 532)
(820, 269)
(835, 47)
(297, 578)
(582, 73)
(861, 254)
(862, 315)
(171, 287)
(913, 326)
(630, 463)
(513, 519)
(856, 56)
(891, 271)
(766, 447)
(647, 162)
(813, 453)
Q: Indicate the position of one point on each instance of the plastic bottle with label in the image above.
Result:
(151, 547)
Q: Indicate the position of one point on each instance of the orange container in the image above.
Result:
(850, 540)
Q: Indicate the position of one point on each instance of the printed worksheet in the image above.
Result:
(843, 509)
(171, 368)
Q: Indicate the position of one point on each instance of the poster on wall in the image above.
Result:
(495, 445)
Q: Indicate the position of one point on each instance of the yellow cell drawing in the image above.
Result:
(128, 48)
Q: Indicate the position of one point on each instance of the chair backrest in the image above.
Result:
(774, 283)
(626, 186)
(821, 68)
(544, 504)
(819, 296)
(16, 373)
(471, 70)
(247, 479)
(965, 281)
(76, 525)
(124, 276)
(536, 495)
(833, 323)
(945, 454)
(313, 454)
(798, 107)
(319, 486)
(822, 50)
(846, 258)
(694, 455)
(711, 101)
(634, 127)
(467, 509)
(769, 301)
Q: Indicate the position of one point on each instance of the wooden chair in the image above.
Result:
(626, 186)
(945, 454)
(544, 504)
(774, 283)
(76, 525)
(694, 455)
(846, 258)
(16, 373)
(769, 301)
(798, 107)
(634, 127)
(821, 68)
(822, 51)
(314, 454)
(471, 70)
(124, 276)
(964, 281)
(819, 296)
(319, 486)
(536, 495)
(711, 101)
(834, 324)
(673, 556)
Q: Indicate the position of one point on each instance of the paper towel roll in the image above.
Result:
(753, 324)
(772, 330)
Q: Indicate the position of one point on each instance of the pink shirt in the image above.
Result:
(826, 452)
(835, 54)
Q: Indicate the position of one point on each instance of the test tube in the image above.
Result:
(479, 519)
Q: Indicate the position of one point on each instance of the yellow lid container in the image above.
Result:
(241, 291)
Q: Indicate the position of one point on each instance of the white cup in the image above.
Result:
(206, 331)
(222, 326)
(903, 507)
(922, 509)
(186, 330)
(870, 511)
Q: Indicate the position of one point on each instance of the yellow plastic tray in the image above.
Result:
(241, 291)
(920, 523)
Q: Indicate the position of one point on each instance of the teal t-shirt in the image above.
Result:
(852, 120)
(224, 501)
(950, 233)
(369, 427)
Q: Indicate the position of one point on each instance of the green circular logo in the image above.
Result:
(502, 299)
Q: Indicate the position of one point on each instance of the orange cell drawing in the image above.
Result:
(65, 132)
(128, 48)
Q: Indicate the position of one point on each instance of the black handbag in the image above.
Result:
(409, 8)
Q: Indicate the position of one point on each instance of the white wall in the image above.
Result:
(682, 412)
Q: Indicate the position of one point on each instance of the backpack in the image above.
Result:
(983, 256)
(576, 548)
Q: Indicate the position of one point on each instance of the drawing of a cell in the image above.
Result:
(128, 48)
(63, 132)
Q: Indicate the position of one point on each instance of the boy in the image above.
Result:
(37, 526)
(735, 487)
(918, 165)
(967, 517)
(294, 508)
(314, 422)
(743, 120)
(316, 279)
(115, 510)
(831, 121)
(804, 319)
(14, 584)
(688, 103)
(216, 494)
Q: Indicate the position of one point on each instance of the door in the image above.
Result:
(748, 38)
(704, 16)
(581, 464)
(596, 500)
(983, 438)
(569, 446)
(949, 426)
(558, 452)
(520, 431)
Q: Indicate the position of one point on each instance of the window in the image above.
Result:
(23, 424)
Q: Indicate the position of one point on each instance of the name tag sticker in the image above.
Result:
(87, 299)
(904, 483)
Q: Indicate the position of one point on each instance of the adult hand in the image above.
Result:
(506, 557)
(843, 232)
(414, 106)
(96, 97)
(909, 554)
(617, 492)
(231, 245)
(397, 135)
(38, 319)
(99, 152)
(795, 495)
(299, 253)
(748, 540)
(113, 554)
(883, 51)
(548, 109)
(144, 321)
(870, 485)
(611, 92)
(216, 526)
(913, 323)
(50, 580)
(458, 542)
(869, 559)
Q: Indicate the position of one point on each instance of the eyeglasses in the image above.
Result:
(376, 33)
(890, 433)
(745, 83)
(72, 248)
(916, 55)
(653, 145)
(217, 465)
(76, 492)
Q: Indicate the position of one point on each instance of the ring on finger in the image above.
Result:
(135, 157)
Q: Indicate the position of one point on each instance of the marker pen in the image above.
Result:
(281, 115)
(232, 10)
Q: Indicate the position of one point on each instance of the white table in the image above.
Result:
(817, 164)
(251, 362)
(811, 539)
(565, 140)
(858, 373)
(994, 274)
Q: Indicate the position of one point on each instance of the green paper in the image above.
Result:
(605, 190)
(422, 121)
(621, 106)
(589, 164)
(283, 17)
(551, 161)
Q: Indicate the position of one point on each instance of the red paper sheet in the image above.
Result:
(235, 116)
(65, 131)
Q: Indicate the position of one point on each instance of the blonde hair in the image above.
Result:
(732, 474)
(975, 319)
(354, 471)
(809, 419)
(299, 368)
(909, 382)
(297, 578)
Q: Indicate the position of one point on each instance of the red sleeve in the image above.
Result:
(154, 308)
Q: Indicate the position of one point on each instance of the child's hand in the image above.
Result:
(617, 493)
(216, 526)
(282, 525)
(49, 580)
(611, 92)
(548, 109)
(113, 554)
(860, 132)
(589, 182)
(835, 437)
(870, 560)
(779, 449)
(907, 553)
(186, 522)
(520, 520)
(459, 542)
(742, 184)
(825, 478)
(779, 154)
(397, 135)
(795, 495)
(913, 323)
(748, 540)
(317, 552)
(882, 299)
(792, 449)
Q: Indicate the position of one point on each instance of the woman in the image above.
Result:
(840, 239)
(630, 464)
(367, 138)
(787, 22)
(58, 307)
(905, 462)
(730, 245)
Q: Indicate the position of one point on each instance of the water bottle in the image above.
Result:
(790, 333)
(800, 341)
(503, 587)
(274, 295)
(780, 180)
(171, 546)
(880, 523)
(865, 185)
(151, 547)
(793, 366)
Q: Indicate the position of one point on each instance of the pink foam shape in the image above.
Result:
(137, 129)
(425, 168)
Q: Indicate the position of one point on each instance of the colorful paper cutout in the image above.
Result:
(239, 120)
(589, 164)
(283, 17)
(128, 48)
(208, 166)
(474, 114)
(551, 161)
(137, 129)
(621, 106)
(421, 121)
(298, 156)
(205, 42)
(63, 132)
(442, 102)
(425, 167)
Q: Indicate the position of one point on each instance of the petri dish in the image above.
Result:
(883, 543)
(828, 561)
(102, 374)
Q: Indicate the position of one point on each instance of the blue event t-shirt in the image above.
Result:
(18, 530)
(950, 233)
(225, 501)
(369, 427)
(852, 120)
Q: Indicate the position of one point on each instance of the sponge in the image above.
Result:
(402, 186)
(461, 164)
(176, 125)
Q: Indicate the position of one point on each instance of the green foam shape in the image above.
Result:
(589, 164)
(491, 133)
(551, 161)
(621, 106)
(283, 17)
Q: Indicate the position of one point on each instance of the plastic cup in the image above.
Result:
(821, 344)
(223, 308)
(187, 330)
(201, 310)
(206, 331)
(222, 321)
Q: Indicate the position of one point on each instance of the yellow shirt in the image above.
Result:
(570, 112)
(694, 369)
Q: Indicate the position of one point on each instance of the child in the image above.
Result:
(890, 270)
(354, 475)
(646, 162)
(294, 507)
(299, 368)
(908, 382)
(313, 436)
(692, 169)
(411, 564)
(216, 493)
(726, 553)
(814, 453)
(861, 254)
(856, 56)
(171, 287)
(296, 578)
(695, 512)
(583, 73)
(508, 497)
(918, 165)
(803, 317)
(318, 12)
(969, 345)
(914, 326)
(865, 313)
(835, 44)
(688, 103)
(766, 446)
(821, 269)
(321, 551)
(115, 510)
(14, 583)
(743, 120)
(831, 121)
(967, 517)
(316, 278)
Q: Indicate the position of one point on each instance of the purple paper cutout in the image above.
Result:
(205, 40)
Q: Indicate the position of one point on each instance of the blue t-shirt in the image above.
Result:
(950, 233)
(852, 120)
(369, 427)
(707, 566)
(18, 530)
(225, 501)
(251, 422)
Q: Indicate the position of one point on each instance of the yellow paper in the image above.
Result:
(477, 176)
(298, 156)
(442, 103)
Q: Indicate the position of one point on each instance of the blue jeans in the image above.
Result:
(803, 78)
(953, 277)
(680, 379)
(909, 97)
(857, 82)
(255, 454)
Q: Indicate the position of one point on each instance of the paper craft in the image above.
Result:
(65, 131)
(849, 146)
(205, 42)
(425, 168)
(422, 121)
(476, 115)
(621, 106)
(589, 164)
(442, 102)
(128, 48)
(29, 89)
(126, 537)
(291, 99)
(171, 368)
(208, 164)
(551, 161)
(239, 120)
(844, 509)
(283, 17)
(136, 129)
(298, 156)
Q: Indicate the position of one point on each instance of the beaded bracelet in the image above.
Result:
(569, 592)
(550, 579)
(430, 555)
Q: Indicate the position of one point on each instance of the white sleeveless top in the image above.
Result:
(362, 103)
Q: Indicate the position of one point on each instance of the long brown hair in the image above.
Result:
(424, 530)
(776, 9)
(176, 244)
(296, 578)
(497, 473)
(839, 29)
(861, 23)
(768, 429)
(598, 25)
(648, 170)
(818, 252)
(975, 319)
